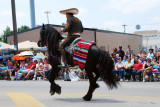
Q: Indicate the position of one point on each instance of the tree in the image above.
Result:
(6, 32)
(23, 28)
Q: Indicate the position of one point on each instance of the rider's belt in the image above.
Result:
(78, 34)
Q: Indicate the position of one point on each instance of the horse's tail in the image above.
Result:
(106, 66)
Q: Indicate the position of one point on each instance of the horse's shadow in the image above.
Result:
(78, 100)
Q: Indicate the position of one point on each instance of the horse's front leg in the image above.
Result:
(54, 88)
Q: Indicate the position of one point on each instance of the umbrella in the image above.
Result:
(17, 57)
(37, 57)
(26, 53)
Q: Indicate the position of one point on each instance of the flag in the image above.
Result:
(147, 41)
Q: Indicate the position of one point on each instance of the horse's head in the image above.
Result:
(42, 41)
(45, 30)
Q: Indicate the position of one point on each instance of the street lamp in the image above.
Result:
(47, 12)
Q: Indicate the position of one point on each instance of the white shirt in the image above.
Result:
(39, 66)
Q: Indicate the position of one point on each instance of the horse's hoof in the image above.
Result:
(87, 98)
(58, 92)
(52, 92)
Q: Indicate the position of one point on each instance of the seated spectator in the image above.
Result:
(150, 54)
(15, 69)
(125, 58)
(133, 56)
(128, 69)
(138, 58)
(156, 67)
(23, 66)
(137, 69)
(39, 69)
(8, 72)
(140, 54)
(147, 66)
(119, 68)
(30, 69)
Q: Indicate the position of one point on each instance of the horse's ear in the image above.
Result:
(43, 26)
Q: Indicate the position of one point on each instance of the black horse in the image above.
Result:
(51, 38)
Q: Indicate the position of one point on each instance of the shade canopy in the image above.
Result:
(27, 45)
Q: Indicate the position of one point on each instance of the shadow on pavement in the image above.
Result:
(77, 100)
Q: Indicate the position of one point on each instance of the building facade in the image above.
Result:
(150, 39)
(104, 39)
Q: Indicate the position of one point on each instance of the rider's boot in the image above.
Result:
(62, 64)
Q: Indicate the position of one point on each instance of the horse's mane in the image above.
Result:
(52, 38)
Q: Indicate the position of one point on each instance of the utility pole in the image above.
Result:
(47, 12)
(14, 25)
(124, 27)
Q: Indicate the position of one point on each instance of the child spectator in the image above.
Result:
(8, 72)
(39, 69)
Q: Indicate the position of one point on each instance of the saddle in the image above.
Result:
(70, 49)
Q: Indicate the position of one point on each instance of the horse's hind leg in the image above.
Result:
(92, 80)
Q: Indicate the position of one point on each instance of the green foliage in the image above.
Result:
(8, 31)
(23, 28)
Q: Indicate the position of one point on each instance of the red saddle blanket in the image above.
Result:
(80, 53)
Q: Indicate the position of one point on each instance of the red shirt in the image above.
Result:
(138, 66)
(30, 65)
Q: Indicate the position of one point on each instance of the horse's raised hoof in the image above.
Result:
(52, 92)
(58, 92)
(87, 98)
(58, 89)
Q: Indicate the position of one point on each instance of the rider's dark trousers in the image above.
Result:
(67, 42)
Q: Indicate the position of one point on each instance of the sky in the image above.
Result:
(100, 14)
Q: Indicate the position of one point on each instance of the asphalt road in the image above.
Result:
(35, 94)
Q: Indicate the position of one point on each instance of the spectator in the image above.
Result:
(137, 69)
(46, 67)
(40, 53)
(129, 51)
(116, 59)
(147, 68)
(128, 69)
(30, 69)
(15, 69)
(8, 72)
(120, 52)
(119, 68)
(113, 54)
(144, 59)
(140, 54)
(46, 56)
(150, 54)
(23, 66)
(158, 55)
(31, 49)
(39, 69)
(125, 59)
(132, 58)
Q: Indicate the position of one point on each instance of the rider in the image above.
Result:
(73, 27)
